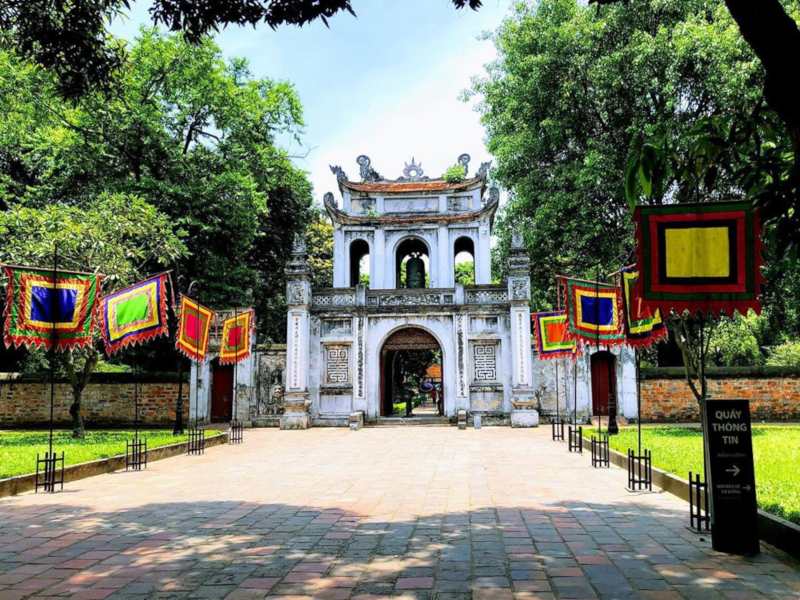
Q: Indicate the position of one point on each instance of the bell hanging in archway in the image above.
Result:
(415, 272)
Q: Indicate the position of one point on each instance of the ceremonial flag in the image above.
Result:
(594, 312)
(643, 327)
(48, 309)
(135, 314)
(194, 327)
(236, 337)
(699, 257)
(550, 329)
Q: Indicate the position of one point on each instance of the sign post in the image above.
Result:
(730, 476)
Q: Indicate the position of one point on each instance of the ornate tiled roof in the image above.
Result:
(399, 187)
(413, 179)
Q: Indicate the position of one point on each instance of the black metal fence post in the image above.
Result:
(600, 450)
(699, 515)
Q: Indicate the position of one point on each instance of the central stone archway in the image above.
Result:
(410, 357)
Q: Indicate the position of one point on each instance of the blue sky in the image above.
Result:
(385, 84)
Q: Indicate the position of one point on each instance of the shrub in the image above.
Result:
(785, 355)
(734, 342)
(454, 174)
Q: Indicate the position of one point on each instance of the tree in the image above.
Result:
(118, 235)
(71, 38)
(319, 239)
(194, 135)
(773, 35)
(573, 89)
(588, 107)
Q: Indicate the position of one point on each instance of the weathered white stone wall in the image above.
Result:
(545, 382)
(442, 327)
(440, 239)
(200, 391)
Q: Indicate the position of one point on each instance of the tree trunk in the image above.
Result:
(774, 37)
(78, 381)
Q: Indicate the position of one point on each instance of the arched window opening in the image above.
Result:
(412, 264)
(359, 263)
(464, 252)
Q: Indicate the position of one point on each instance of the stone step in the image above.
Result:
(409, 421)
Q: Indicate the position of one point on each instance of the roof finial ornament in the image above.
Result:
(413, 171)
(299, 244)
(516, 239)
(483, 170)
(328, 200)
(366, 171)
(339, 172)
(463, 160)
(494, 195)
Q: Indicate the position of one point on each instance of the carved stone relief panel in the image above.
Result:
(358, 234)
(334, 299)
(336, 327)
(484, 362)
(295, 375)
(296, 293)
(484, 324)
(269, 384)
(361, 358)
(362, 205)
(409, 299)
(405, 205)
(493, 296)
(457, 203)
(520, 288)
(337, 364)
(462, 375)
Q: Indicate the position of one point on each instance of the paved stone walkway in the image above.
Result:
(418, 512)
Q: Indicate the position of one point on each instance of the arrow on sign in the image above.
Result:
(734, 469)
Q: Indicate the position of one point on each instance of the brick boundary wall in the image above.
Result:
(107, 399)
(774, 393)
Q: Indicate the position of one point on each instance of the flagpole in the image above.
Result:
(638, 401)
(575, 393)
(136, 402)
(235, 364)
(558, 413)
(197, 363)
(597, 338)
(53, 340)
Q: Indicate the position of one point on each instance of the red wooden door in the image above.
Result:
(603, 382)
(222, 393)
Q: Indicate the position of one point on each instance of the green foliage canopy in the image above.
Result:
(588, 107)
(192, 134)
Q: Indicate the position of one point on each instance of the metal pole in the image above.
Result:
(597, 330)
(638, 401)
(235, 363)
(136, 402)
(575, 392)
(53, 339)
(558, 414)
(197, 365)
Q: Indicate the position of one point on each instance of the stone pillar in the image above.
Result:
(523, 411)
(244, 390)
(298, 298)
(377, 273)
(462, 347)
(483, 256)
(444, 260)
(359, 329)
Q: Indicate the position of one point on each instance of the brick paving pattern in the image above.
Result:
(423, 512)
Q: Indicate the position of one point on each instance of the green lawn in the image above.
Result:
(776, 449)
(18, 448)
